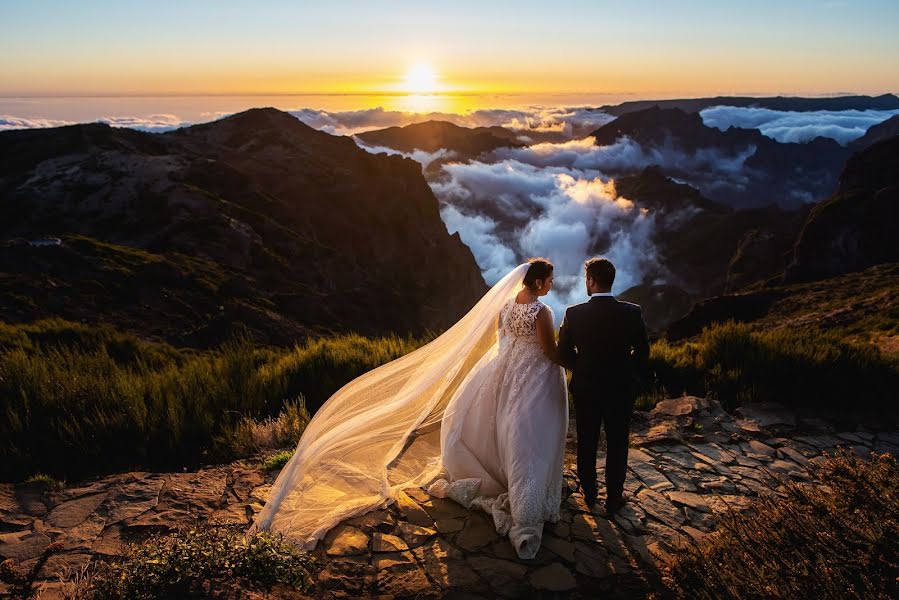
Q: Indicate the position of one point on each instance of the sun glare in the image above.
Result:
(420, 79)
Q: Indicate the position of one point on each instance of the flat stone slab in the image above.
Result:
(73, 512)
(23, 545)
(660, 508)
(694, 501)
(651, 477)
(686, 405)
(413, 513)
(345, 540)
(385, 542)
(554, 578)
(415, 535)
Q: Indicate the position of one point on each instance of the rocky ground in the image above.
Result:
(690, 462)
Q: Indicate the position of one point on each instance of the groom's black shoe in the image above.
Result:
(614, 503)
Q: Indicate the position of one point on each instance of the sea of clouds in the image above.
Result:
(843, 126)
(557, 198)
(149, 123)
(568, 122)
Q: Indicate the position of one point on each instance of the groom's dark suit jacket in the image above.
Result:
(604, 343)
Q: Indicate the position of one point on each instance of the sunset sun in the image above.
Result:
(420, 79)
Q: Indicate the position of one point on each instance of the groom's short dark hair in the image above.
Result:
(601, 270)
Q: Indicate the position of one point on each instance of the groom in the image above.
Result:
(604, 343)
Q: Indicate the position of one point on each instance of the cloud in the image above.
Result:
(707, 168)
(494, 258)
(789, 126)
(509, 210)
(425, 158)
(12, 122)
(567, 122)
(150, 123)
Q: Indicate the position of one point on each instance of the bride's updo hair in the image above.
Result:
(540, 268)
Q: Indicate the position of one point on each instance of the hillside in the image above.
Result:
(857, 226)
(432, 136)
(786, 103)
(705, 248)
(842, 270)
(738, 167)
(254, 222)
(862, 306)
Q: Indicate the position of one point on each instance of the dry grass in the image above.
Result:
(836, 542)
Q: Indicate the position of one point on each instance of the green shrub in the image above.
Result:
(79, 400)
(837, 543)
(793, 367)
(274, 462)
(58, 334)
(318, 368)
(204, 558)
(70, 411)
(46, 481)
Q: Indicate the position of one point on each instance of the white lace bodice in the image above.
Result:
(520, 320)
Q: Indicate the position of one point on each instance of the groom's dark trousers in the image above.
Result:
(604, 343)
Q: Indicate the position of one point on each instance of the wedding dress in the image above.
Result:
(503, 433)
(382, 432)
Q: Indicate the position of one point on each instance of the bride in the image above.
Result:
(478, 415)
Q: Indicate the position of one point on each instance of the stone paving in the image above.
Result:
(689, 462)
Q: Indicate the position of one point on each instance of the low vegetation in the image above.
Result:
(276, 461)
(794, 367)
(205, 561)
(77, 400)
(839, 542)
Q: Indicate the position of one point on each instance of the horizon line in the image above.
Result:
(648, 95)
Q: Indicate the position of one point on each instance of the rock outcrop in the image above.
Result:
(857, 226)
(877, 133)
(254, 220)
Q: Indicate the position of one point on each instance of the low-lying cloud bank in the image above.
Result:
(559, 200)
(149, 123)
(569, 122)
(420, 156)
(509, 210)
(843, 126)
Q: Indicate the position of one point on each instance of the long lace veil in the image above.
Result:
(380, 433)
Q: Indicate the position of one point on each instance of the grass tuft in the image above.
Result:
(836, 542)
(45, 481)
(275, 462)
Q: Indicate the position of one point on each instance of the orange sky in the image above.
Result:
(687, 48)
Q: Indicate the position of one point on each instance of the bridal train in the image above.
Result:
(476, 403)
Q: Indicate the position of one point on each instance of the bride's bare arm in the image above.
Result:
(546, 336)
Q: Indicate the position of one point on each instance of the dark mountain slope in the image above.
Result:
(315, 232)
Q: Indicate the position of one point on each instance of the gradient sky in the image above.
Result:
(643, 47)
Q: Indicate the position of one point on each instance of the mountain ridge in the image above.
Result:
(319, 229)
(784, 103)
